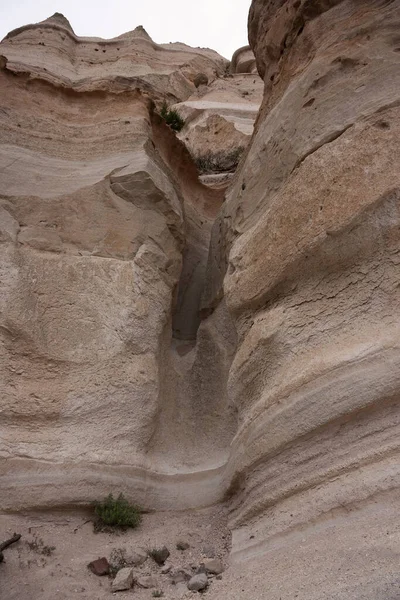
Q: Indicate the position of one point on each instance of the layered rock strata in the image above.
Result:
(268, 376)
(100, 207)
(308, 264)
(52, 52)
(219, 120)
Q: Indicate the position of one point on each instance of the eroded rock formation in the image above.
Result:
(100, 206)
(183, 349)
(310, 269)
(219, 120)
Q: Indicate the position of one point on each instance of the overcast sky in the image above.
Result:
(217, 24)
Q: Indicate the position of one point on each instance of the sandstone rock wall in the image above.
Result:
(243, 61)
(147, 345)
(309, 269)
(219, 119)
(99, 205)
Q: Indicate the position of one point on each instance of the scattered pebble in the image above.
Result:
(123, 580)
(198, 583)
(146, 582)
(214, 566)
(100, 566)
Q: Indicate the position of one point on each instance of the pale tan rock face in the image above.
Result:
(243, 61)
(99, 207)
(50, 50)
(145, 347)
(307, 251)
(219, 118)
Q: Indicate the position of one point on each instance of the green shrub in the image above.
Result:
(158, 594)
(116, 513)
(172, 118)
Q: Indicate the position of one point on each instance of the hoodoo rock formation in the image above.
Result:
(187, 341)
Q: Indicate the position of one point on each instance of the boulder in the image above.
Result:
(180, 575)
(180, 590)
(138, 558)
(182, 546)
(200, 79)
(165, 569)
(160, 555)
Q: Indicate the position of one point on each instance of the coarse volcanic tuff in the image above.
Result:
(219, 119)
(100, 205)
(305, 254)
(186, 341)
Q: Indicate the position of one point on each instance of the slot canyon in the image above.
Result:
(208, 319)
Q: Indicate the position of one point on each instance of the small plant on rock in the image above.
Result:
(158, 594)
(116, 513)
(172, 118)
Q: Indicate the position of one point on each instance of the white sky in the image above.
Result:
(217, 24)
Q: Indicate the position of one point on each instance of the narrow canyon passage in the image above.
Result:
(191, 344)
(195, 423)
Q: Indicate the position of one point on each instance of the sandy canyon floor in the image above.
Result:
(346, 555)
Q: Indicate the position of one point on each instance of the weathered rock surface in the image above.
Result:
(219, 119)
(123, 580)
(198, 583)
(243, 61)
(100, 207)
(308, 247)
(52, 52)
(183, 360)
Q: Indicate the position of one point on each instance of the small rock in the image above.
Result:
(200, 79)
(146, 582)
(219, 577)
(100, 566)
(166, 569)
(160, 555)
(200, 569)
(182, 546)
(214, 566)
(180, 575)
(180, 590)
(123, 580)
(209, 551)
(198, 583)
(138, 557)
